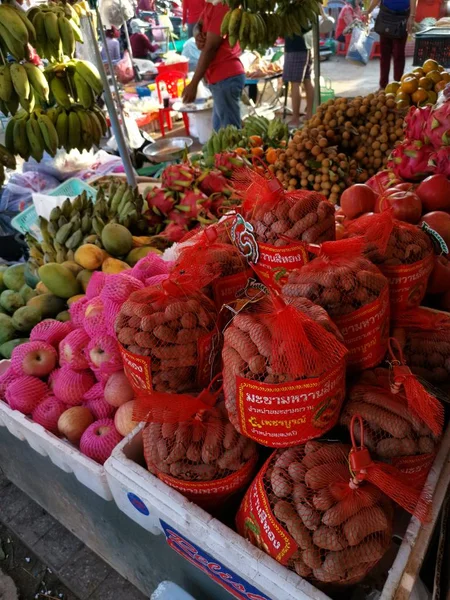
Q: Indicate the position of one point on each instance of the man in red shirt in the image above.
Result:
(220, 64)
(192, 11)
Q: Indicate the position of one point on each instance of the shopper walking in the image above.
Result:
(192, 11)
(113, 44)
(297, 71)
(220, 64)
(393, 23)
(349, 13)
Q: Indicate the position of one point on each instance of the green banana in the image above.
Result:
(6, 85)
(67, 36)
(37, 80)
(20, 138)
(60, 93)
(74, 132)
(62, 128)
(7, 158)
(86, 130)
(83, 90)
(35, 139)
(90, 74)
(15, 25)
(49, 134)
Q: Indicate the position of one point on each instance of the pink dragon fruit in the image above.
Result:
(415, 122)
(160, 201)
(178, 178)
(440, 160)
(227, 162)
(155, 223)
(192, 203)
(437, 128)
(174, 232)
(213, 182)
(410, 160)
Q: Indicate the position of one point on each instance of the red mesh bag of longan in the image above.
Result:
(191, 445)
(324, 510)
(275, 225)
(403, 422)
(168, 336)
(424, 337)
(283, 370)
(354, 293)
(402, 252)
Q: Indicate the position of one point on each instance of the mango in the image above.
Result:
(7, 329)
(25, 318)
(74, 299)
(63, 316)
(2, 285)
(31, 276)
(7, 348)
(41, 288)
(60, 281)
(137, 253)
(116, 239)
(14, 277)
(72, 266)
(47, 304)
(84, 278)
(113, 265)
(27, 293)
(89, 256)
(11, 301)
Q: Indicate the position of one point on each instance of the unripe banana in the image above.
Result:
(37, 80)
(35, 139)
(51, 28)
(14, 23)
(9, 136)
(84, 91)
(20, 138)
(20, 81)
(67, 37)
(13, 103)
(90, 74)
(60, 93)
(86, 129)
(26, 21)
(96, 128)
(28, 103)
(49, 134)
(62, 128)
(7, 158)
(6, 86)
(76, 32)
(74, 140)
(16, 48)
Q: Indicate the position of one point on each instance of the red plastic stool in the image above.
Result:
(171, 81)
(375, 52)
(343, 47)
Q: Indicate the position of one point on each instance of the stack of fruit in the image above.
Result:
(420, 87)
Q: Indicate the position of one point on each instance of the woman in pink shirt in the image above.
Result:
(348, 14)
(192, 9)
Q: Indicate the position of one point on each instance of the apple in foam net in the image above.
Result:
(118, 389)
(48, 412)
(99, 440)
(37, 359)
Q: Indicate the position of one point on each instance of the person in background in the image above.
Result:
(191, 52)
(146, 6)
(220, 64)
(141, 47)
(296, 71)
(393, 48)
(347, 15)
(192, 10)
(113, 44)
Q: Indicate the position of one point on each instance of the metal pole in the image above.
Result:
(316, 59)
(115, 124)
(130, 50)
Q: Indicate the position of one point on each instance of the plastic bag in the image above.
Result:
(353, 292)
(284, 373)
(124, 69)
(274, 225)
(18, 192)
(360, 46)
(324, 511)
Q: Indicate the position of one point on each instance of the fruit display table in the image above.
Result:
(142, 558)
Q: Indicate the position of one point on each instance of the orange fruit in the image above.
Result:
(441, 69)
(419, 71)
(402, 100)
(440, 85)
(409, 85)
(403, 77)
(432, 97)
(434, 76)
(392, 87)
(426, 83)
(430, 65)
(445, 76)
(419, 96)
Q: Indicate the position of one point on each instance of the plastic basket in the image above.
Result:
(181, 67)
(326, 91)
(433, 43)
(27, 221)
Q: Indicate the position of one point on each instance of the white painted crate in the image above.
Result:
(229, 559)
(61, 453)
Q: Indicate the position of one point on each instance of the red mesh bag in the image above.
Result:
(403, 253)
(71, 350)
(191, 445)
(284, 373)
(424, 337)
(273, 223)
(69, 386)
(353, 292)
(393, 429)
(324, 510)
(50, 331)
(110, 311)
(168, 336)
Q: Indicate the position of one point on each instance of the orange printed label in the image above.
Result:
(208, 493)
(407, 283)
(274, 263)
(417, 466)
(138, 370)
(285, 414)
(229, 288)
(256, 522)
(365, 332)
(207, 348)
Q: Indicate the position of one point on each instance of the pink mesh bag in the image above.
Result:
(156, 279)
(119, 287)
(100, 408)
(275, 351)
(103, 354)
(76, 311)
(5, 379)
(150, 266)
(70, 386)
(323, 510)
(96, 284)
(111, 310)
(52, 378)
(99, 440)
(25, 393)
(354, 293)
(94, 321)
(71, 350)
(50, 331)
(96, 391)
(34, 358)
(48, 412)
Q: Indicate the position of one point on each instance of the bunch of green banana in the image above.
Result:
(227, 138)
(21, 84)
(16, 32)
(74, 81)
(297, 17)
(256, 125)
(30, 135)
(124, 205)
(277, 132)
(6, 160)
(57, 27)
(247, 28)
(79, 128)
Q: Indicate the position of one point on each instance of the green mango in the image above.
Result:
(11, 301)
(7, 348)
(14, 277)
(25, 318)
(7, 329)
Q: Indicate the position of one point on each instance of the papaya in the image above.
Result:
(47, 304)
(27, 293)
(137, 253)
(89, 256)
(63, 316)
(83, 278)
(116, 239)
(74, 299)
(11, 301)
(7, 329)
(72, 266)
(41, 288)
(113, 265)
(60, 281)
(7, 347)
(25, 318)
(14, 277)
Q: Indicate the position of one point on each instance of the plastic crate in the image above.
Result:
(433, 43)
(27, 221)
(181, 67)
(231, 560)
(326, 90)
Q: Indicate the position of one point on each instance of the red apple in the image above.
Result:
(74, 422)
(99, 440)
(103, 353)
(439, 281)
(118, 389)
(71, 349)
(434, 191)
(357, 199)
(34, 358)
(440, 222)
(123, 419)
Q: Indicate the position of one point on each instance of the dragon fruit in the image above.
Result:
(415, 122)
(227, 162)
(192, 203)
(437, 128)
(440, 160)
(178, 178)
(174, 232)
(160, 201)
(213, 182)
(410, 160)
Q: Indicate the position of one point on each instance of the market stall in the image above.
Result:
(246, 360)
